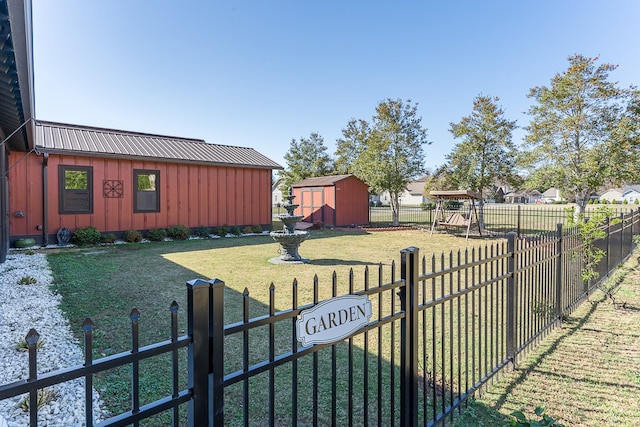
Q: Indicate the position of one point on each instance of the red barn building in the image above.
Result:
(115, 181)
(339, 200)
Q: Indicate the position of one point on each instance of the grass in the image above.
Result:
(585, 374)
(104, 284)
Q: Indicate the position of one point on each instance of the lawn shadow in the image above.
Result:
(106, 285)
(336, 261)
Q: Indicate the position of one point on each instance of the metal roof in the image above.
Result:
(16, 78)
(320, 181)
(455, 194)
(60, 138)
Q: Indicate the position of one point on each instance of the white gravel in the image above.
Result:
(26, 306)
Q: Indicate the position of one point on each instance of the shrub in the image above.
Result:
(222, 230)
(202, 231)
(44, 397)
(625, 202)
(22, 344)
(132, 236)
(520, 420)
(179, 232)
(235, 230)
(636, 201)
(157, 234)
(257, 228)
(247, 229)
(108, 238)
(86, 236)
(427, 206)
(27, 280)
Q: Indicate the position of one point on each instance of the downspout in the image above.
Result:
(45, 199)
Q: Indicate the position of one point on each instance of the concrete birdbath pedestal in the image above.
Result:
(289, 238)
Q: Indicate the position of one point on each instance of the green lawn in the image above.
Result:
(104, 283)
(585, 374)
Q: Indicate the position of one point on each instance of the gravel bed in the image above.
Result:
(26, 306)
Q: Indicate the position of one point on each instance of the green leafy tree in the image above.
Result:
(306, 158)
(590, 231)
(388, 152)
(583, 131)
(486, 154)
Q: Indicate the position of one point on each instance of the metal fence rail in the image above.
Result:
(498, 217)
(438, 334)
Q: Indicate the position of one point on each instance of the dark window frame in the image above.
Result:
(154, 206)
(68, 198)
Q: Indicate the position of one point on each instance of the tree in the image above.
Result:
(486, 154)
(584, 130)
(306, 158)
(387, 153)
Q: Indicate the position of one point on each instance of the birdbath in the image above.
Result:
(289, 238)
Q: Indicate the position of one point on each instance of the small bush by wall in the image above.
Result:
(202, 231)
(84, 236)
(222, 230)
(108, 238)
(132, 236)
(157, 234)
(179, 232)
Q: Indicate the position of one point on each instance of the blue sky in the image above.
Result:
(259, 73)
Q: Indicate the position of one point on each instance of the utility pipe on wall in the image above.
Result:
(45, 199)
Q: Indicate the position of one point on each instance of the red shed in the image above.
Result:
(338, 200)
(115, 181)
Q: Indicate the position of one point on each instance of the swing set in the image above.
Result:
(455, 220)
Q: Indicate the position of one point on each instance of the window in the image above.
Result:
(75, 184)
(146, 187)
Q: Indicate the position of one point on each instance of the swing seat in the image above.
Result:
(455, 220)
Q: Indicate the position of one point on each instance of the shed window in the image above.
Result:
(147, 190)
(75, 189)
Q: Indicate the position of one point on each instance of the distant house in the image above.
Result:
(551, 195)
(412, 195)
(523, 196)
(631, 193)
(337, 200)
(611, 195)
(116, 180)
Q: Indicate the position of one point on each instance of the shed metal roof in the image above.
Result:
(455, 194)
(60, 138)
(320, 181)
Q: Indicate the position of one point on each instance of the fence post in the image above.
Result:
(511, 299)
(216, 340)
(559, 281)
(608, 246)
(200, 412)
(518, 225)
(409, 337)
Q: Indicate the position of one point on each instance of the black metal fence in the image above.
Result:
(498, 217)
(442, 327)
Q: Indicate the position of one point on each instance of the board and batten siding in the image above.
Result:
(190, 194)
(337, 201)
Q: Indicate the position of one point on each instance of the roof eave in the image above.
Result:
(20, 22)
(152, 159)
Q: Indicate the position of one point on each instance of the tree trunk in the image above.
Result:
(395, 208)
(481, 214)
(581, 205)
